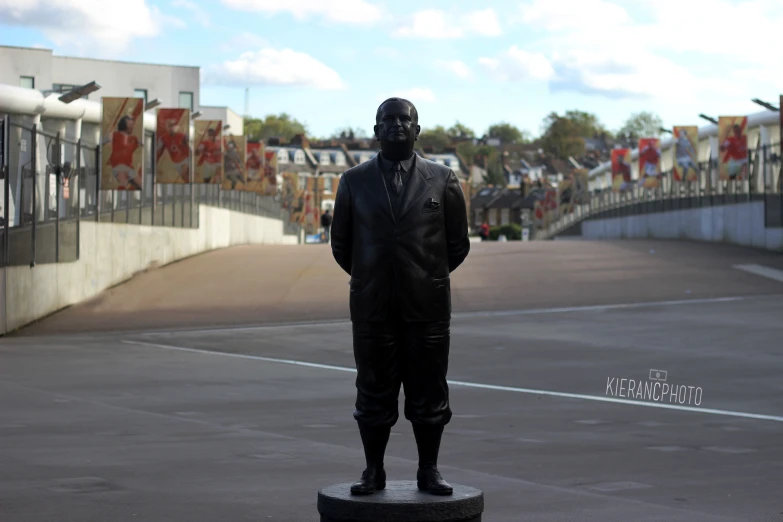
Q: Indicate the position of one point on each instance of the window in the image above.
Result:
(186, 100)
(299, 157)
(339, 159)
(324, 158)
(303, 181)
(140, 93)
(282, 156)
(504, 216)
(329, 184)
(28, 82)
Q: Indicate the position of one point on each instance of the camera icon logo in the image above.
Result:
(658, 375)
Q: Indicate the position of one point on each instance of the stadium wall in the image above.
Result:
(111, 253)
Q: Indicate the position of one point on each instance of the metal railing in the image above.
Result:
(44, 201)
(763, 183)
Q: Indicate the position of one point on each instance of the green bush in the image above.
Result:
(512, 231)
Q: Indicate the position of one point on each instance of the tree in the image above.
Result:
(349, 133)
(563, 137)
(458, 131)
(507, 133)
(641, 125)
(281, 126)
(437, 138)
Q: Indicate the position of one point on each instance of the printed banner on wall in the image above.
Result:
(649, 162)
(234, 159)
(621, 170)
(733, 143)
(172, 150)
(545, 209)
(122, 137)
(573, 191)
(209, 151)
(686, 158)
(270, 173)
(290, 194)
(254, 167)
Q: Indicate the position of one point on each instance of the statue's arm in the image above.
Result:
(456, 222)
(341, 226)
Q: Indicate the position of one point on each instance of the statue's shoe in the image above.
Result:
(429, 480)
(372, 480)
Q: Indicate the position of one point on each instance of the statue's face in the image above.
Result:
(397, 124)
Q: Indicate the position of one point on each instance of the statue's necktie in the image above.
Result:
(397, 178)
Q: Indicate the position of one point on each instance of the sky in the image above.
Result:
(329, 63)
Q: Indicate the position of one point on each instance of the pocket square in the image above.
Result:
(431, 205)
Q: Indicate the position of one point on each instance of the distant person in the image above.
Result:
(484, 231)
(326, 223)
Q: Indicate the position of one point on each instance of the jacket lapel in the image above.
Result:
(418, 185)
(376, 186)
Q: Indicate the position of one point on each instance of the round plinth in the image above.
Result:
(401, 501)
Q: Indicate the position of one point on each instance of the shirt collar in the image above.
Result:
(406, 165)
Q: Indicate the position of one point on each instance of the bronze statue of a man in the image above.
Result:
(399, 229)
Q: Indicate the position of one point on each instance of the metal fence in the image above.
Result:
(51, 184)
(763, 183)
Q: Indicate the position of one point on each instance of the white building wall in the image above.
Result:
(226, 115)
(164, 82)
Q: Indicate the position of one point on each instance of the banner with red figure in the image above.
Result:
(172, 147)
(649, 162)
(209, 151)
(122, 139)
(621, 170)
(733, 147)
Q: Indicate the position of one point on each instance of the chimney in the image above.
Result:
(301, 139)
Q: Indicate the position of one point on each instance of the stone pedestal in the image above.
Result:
(401, 501)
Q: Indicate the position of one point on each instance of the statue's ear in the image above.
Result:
(418, 130)
(376, 129)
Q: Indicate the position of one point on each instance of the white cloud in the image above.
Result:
(517, 64)
(335, 11)
(669, 50)
(388, 53)
(198, 13)
(245, 41)
(456, 67)
(96, 25)
(275, 67)
(554, 15)
(438, 25)
(415, 95)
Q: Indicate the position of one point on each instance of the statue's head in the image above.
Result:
(397, 127)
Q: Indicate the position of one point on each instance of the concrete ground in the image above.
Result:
(180, 395)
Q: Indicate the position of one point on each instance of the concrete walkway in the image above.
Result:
(270, 284)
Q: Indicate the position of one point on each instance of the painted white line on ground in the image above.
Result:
(763, 271)
(493, 387)
(461, 315)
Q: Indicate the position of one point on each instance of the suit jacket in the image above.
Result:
(404, 258)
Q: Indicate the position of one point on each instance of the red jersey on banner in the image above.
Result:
(177, 145)
(210, 152)
(650, 154)
(736, 147)
(122, 148)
